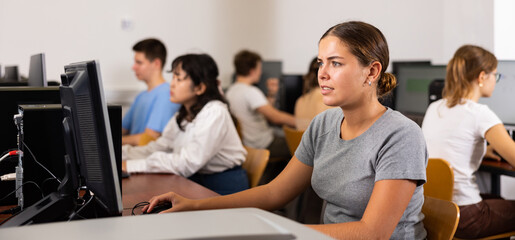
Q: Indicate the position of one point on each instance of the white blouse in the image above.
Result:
(208, 144)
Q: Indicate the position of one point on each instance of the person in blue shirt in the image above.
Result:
(152, 108)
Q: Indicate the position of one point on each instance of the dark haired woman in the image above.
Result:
(200, 142)
(367, 161)
(457, 128)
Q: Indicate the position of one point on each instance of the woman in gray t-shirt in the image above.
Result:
(367, 161)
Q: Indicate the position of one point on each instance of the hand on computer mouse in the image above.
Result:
(179, 203)
(159, 208)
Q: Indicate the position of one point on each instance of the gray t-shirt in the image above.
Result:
(344, 172)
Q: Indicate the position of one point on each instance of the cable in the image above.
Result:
(9, 154)
(34, 157)
(140, 204)
(80, 209)
(22, 186)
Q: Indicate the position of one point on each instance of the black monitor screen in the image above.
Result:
(412, 91)
(37, 71)
(290, 91)
(86, 124)
(11, 74)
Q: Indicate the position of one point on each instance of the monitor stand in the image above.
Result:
(54, 207)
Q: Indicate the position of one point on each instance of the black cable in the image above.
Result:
(35, 160)
(22, 186)
(80, 209)
(140, 204)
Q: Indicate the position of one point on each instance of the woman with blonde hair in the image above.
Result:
(457, 128)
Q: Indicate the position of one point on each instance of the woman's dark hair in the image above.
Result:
(464, 67)
(367, 44)
(201, 68)
(311, 78)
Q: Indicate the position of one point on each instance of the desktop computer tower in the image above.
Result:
(43, 135)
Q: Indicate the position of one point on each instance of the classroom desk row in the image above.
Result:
(240, 223)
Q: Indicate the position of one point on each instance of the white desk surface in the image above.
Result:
(239, 223)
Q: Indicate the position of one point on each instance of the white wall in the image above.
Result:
(287, 30)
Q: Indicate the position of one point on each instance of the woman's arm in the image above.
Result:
(293, 180)
(385, 208)
(501, 142)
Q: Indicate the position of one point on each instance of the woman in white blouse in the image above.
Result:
(200, 142)
(456, 129)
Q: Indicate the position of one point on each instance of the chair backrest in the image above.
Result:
(293, 138)
(145, 139)
(255, 164)
(441, 218)
(440, 179)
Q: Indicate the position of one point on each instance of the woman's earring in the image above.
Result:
(369, 83)
(480, 84)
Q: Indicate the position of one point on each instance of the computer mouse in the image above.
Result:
(160, 207)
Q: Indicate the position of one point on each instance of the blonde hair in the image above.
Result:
(463, 69)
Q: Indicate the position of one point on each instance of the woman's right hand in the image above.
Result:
(179, 203)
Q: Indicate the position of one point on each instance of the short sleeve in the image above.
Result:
(486, 119)
(256, 97)
(403, 155)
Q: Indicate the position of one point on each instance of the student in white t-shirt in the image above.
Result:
(457, 127)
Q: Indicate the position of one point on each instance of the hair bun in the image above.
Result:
(386, 84)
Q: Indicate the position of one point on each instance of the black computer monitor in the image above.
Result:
(37, 71)
(11, 74)
(87, 120)
(89, 150)
(290, 90)
(413, 80)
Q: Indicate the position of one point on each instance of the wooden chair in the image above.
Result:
(145, 139)
(441, 218)
(440, 179)
(255, 164)
(293, 138)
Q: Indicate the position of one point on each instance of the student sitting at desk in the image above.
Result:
(455, 129)
(200, 141)
(366, 160)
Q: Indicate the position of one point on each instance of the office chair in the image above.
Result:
(441, 218)
(255, 164)
(440, 179)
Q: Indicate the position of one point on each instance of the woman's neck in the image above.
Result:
(356, 121)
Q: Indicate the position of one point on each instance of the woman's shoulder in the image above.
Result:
(396, 120)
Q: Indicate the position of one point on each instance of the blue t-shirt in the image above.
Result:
(151, 109)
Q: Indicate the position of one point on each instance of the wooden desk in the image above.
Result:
(496, 169)
(141, 187)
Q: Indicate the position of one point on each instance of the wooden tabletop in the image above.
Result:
(497, 167)
(141, 187)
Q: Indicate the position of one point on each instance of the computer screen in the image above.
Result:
(86, 123)
(504, 94)
(270, 69)
(89, 158)
(411, 93)
(290, 90)
(37, 71)
(11, 74)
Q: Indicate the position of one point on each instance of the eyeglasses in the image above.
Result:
(497, 76)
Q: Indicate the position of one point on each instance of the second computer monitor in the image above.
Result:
(37, 71)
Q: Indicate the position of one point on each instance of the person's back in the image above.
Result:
(244, 100)
(457, 128)
(152, 108)
(252, 109)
